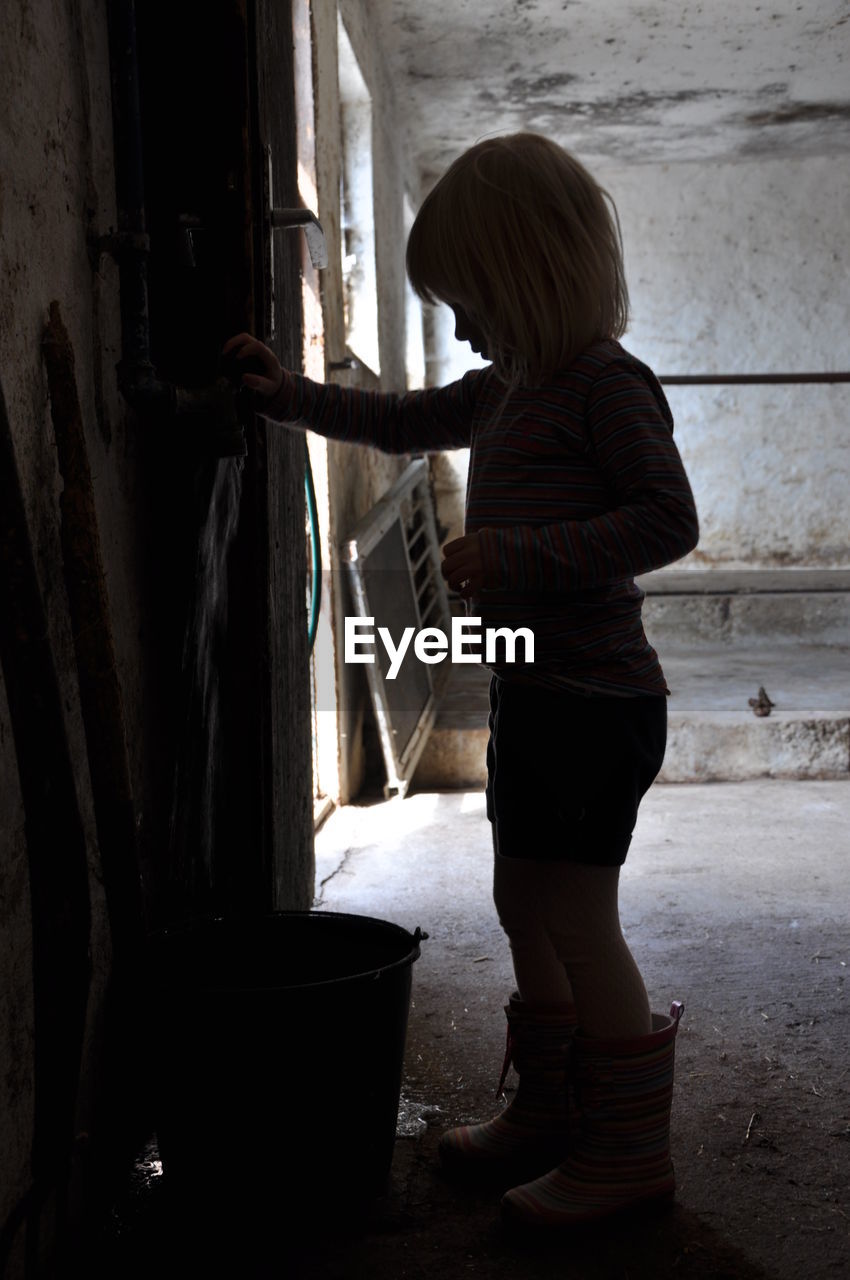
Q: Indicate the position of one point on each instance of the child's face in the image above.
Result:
(466, 330)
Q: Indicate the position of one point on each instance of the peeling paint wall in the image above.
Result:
(56, 189)
(743, 268)
(739, 267)
(624, 81)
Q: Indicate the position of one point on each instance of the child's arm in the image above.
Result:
(419, 421)
(654, 519)
(416, 422)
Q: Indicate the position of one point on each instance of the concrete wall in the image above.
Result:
(741, 268)
(56, 187)
(389, 178)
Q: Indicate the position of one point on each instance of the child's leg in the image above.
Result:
(582, 918)
(562, 920)
(539, 971)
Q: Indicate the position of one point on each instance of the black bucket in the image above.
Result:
(279, 1045)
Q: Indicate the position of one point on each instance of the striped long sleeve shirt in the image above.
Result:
(574, 487)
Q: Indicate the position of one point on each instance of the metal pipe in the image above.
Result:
(315, 550)
(316, 243)
(747, 379)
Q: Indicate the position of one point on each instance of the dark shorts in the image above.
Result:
(566, 773)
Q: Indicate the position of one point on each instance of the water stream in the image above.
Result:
(199, 750)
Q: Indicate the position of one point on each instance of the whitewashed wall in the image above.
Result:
(740, 268)
(743, 268)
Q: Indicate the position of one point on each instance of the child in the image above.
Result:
(575, 486)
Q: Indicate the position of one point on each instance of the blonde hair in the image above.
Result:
(521, 237)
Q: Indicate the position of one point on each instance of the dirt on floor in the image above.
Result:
(761, 1143)
(735, 900)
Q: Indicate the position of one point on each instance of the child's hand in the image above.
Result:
(243, 347)
(463, 567)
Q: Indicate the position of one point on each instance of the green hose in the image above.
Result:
(315, 549)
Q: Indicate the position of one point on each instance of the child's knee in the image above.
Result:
(516, 897)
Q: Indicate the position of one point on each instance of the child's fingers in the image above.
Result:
(238, 339)
(462, 553)
(462, 567)
(465, 587)
(462, 574)
(453, 565)
(257, 351)
(457, 545)
(263, 372)
(254, 350)
(256, 382)
(245, 347)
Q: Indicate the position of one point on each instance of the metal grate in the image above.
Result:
(393, 557)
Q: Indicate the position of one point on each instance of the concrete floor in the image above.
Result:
(735, 900)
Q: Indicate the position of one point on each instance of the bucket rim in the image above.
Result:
(194, 924)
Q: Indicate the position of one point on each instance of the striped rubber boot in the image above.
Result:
(621, 1158)
(533, 1131)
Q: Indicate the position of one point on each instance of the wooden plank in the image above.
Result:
(56, 851)
(289, 803)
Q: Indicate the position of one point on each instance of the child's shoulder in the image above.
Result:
(602, 355)
(593, 362)
(608, 358)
